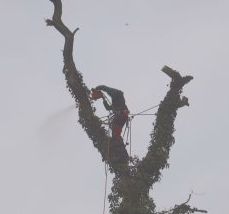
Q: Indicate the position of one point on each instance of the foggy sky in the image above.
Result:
(47, 163)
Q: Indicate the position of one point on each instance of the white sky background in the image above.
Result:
(47, 163)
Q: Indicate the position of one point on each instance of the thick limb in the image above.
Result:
(89, 121)
(162, 136)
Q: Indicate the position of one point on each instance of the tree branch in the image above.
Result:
(183, 208)
(162, 139)
(89, 121)
(145, 173)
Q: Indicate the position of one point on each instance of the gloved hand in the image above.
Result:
(96, 94)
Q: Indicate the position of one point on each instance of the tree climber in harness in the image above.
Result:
(117, 151)
(118, 107)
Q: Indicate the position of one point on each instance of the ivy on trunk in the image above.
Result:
(133, 180)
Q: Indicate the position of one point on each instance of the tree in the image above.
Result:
(133, 180)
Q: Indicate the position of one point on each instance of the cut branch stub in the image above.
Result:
(176, 77)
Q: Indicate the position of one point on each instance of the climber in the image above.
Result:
(118, 107)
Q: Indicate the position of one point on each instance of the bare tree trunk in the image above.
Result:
(130, 191)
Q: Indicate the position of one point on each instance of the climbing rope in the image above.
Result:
(128, 132)
(128, 128)
(105, 190)
(141, 112)
(130, 135)
(106, 162)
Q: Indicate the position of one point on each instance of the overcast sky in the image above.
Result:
(47, 163)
